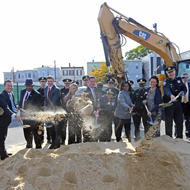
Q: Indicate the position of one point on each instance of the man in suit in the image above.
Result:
(41, 90)
(10, 101)
(5, 119)
(52, 103)
(186, 104)
(92, 95)
(8, 96)
(31, 100)
(92, 90)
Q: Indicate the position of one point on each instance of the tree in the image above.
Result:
(100, 73)
(137, 53)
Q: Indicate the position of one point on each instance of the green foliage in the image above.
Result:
(137, 53)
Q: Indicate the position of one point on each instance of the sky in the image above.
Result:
(37, 32)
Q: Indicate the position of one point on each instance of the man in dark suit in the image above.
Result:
(92, 90)
(52, 103)
(31, 100)
(5, 119)
(186, 104)
(8, 96)
(92, 95)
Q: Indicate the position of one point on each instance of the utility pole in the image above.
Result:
(74, 73)
(55, 70)
(13, 75)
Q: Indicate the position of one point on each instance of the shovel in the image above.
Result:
(170, 103)
(151, 122)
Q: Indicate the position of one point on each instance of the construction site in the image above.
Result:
(152, 157)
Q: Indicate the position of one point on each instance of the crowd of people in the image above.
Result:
(110, 106)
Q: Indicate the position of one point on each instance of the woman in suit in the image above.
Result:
(123, 112)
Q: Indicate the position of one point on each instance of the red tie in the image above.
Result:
(48, 91)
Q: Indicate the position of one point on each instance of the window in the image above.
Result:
(19, 75)
(81, 72)
(29, 75)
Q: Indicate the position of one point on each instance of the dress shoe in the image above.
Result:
(52, 146)
(3, 157)
(48, 141)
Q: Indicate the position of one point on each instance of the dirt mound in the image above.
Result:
(161, 163)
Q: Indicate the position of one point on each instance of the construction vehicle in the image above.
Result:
(113, 31)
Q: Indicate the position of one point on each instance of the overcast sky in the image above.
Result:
(37, 32)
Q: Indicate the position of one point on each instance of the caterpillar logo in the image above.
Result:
(142, 34)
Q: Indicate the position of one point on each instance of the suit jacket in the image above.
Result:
(54, 99)
(42, 92)
(91, 97)
(34, 100)
(123, 103)
(6, 98)
(5, 118)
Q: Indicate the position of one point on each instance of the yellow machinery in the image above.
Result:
(113, 28)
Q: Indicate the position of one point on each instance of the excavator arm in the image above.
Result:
(112, 28)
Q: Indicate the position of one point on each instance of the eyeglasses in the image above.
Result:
(184, 77)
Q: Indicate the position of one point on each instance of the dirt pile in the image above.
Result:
(161, 163)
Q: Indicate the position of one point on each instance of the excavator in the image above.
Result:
(113, 30)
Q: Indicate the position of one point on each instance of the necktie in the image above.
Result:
(48, 91)
(26, 98)
(12, 103)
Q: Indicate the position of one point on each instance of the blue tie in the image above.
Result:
(12, 103)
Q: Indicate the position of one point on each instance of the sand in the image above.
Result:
(160, 163)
